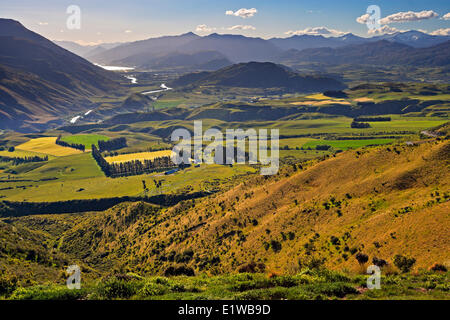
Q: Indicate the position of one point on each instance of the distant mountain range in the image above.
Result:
(40, 81)
(87, 50)
(260, 75)
(411, 38)
(382, 52)
(190, 52)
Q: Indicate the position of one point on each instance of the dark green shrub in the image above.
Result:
(286, 281)
(179, 271)
(47, 293)
(333, 289)
(379, 262)
(153, 289)
(251, 285)
(252, 267)
(404, 263)
(113, 287)
(7, 284)
(362, 258)
(438, 267)
(275, 245)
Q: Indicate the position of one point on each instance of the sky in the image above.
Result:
(105, 21)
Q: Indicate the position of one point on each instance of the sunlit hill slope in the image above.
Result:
(379, 201)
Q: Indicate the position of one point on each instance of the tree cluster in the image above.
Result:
(372, 119)
(18, 160)
(113, 144)
(360, 125)
(77, 146)
(131, 168)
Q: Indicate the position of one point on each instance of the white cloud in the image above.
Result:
(316, 31)
(441, 32)
(128, 31)
(204, 28)
(384, 30)
(363, 19)
(409, 16)
(43, 23)
(241, 27)
(446, 16)
(243, 13)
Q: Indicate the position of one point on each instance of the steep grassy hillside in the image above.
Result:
(379, 201)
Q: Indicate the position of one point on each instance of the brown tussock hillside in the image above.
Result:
(380, 201)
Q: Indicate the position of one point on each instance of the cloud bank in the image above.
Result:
(409, 16)
(316, 31)
(204, 28)
(243, 13)
(241, 27)
(441, 32)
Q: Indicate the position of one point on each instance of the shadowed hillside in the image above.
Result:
(259, 75)
(40, 81)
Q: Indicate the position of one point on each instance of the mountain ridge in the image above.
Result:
(260, 75)
(40, 81)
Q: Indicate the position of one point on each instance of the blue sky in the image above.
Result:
(129, 20)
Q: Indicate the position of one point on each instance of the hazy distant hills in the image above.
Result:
(87, 50)
(40, 81)
(382, 52)
(188, 51)
(412, 38)
(237, 48)
(259, 75)
(139, 52)
(203, 60)
(301, 42)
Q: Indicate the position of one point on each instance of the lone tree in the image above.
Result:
(379, 262)
(144, 185)
(362, 258)
(404, 263)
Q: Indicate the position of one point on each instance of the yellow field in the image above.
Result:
(320, 96)
(321, 103)
(141, 156)
(21, 153)
(364, 100)
(47, 146)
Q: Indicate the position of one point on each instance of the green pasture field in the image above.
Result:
(86, 139)
(346, 144)
(169, 103)
(79, 177)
